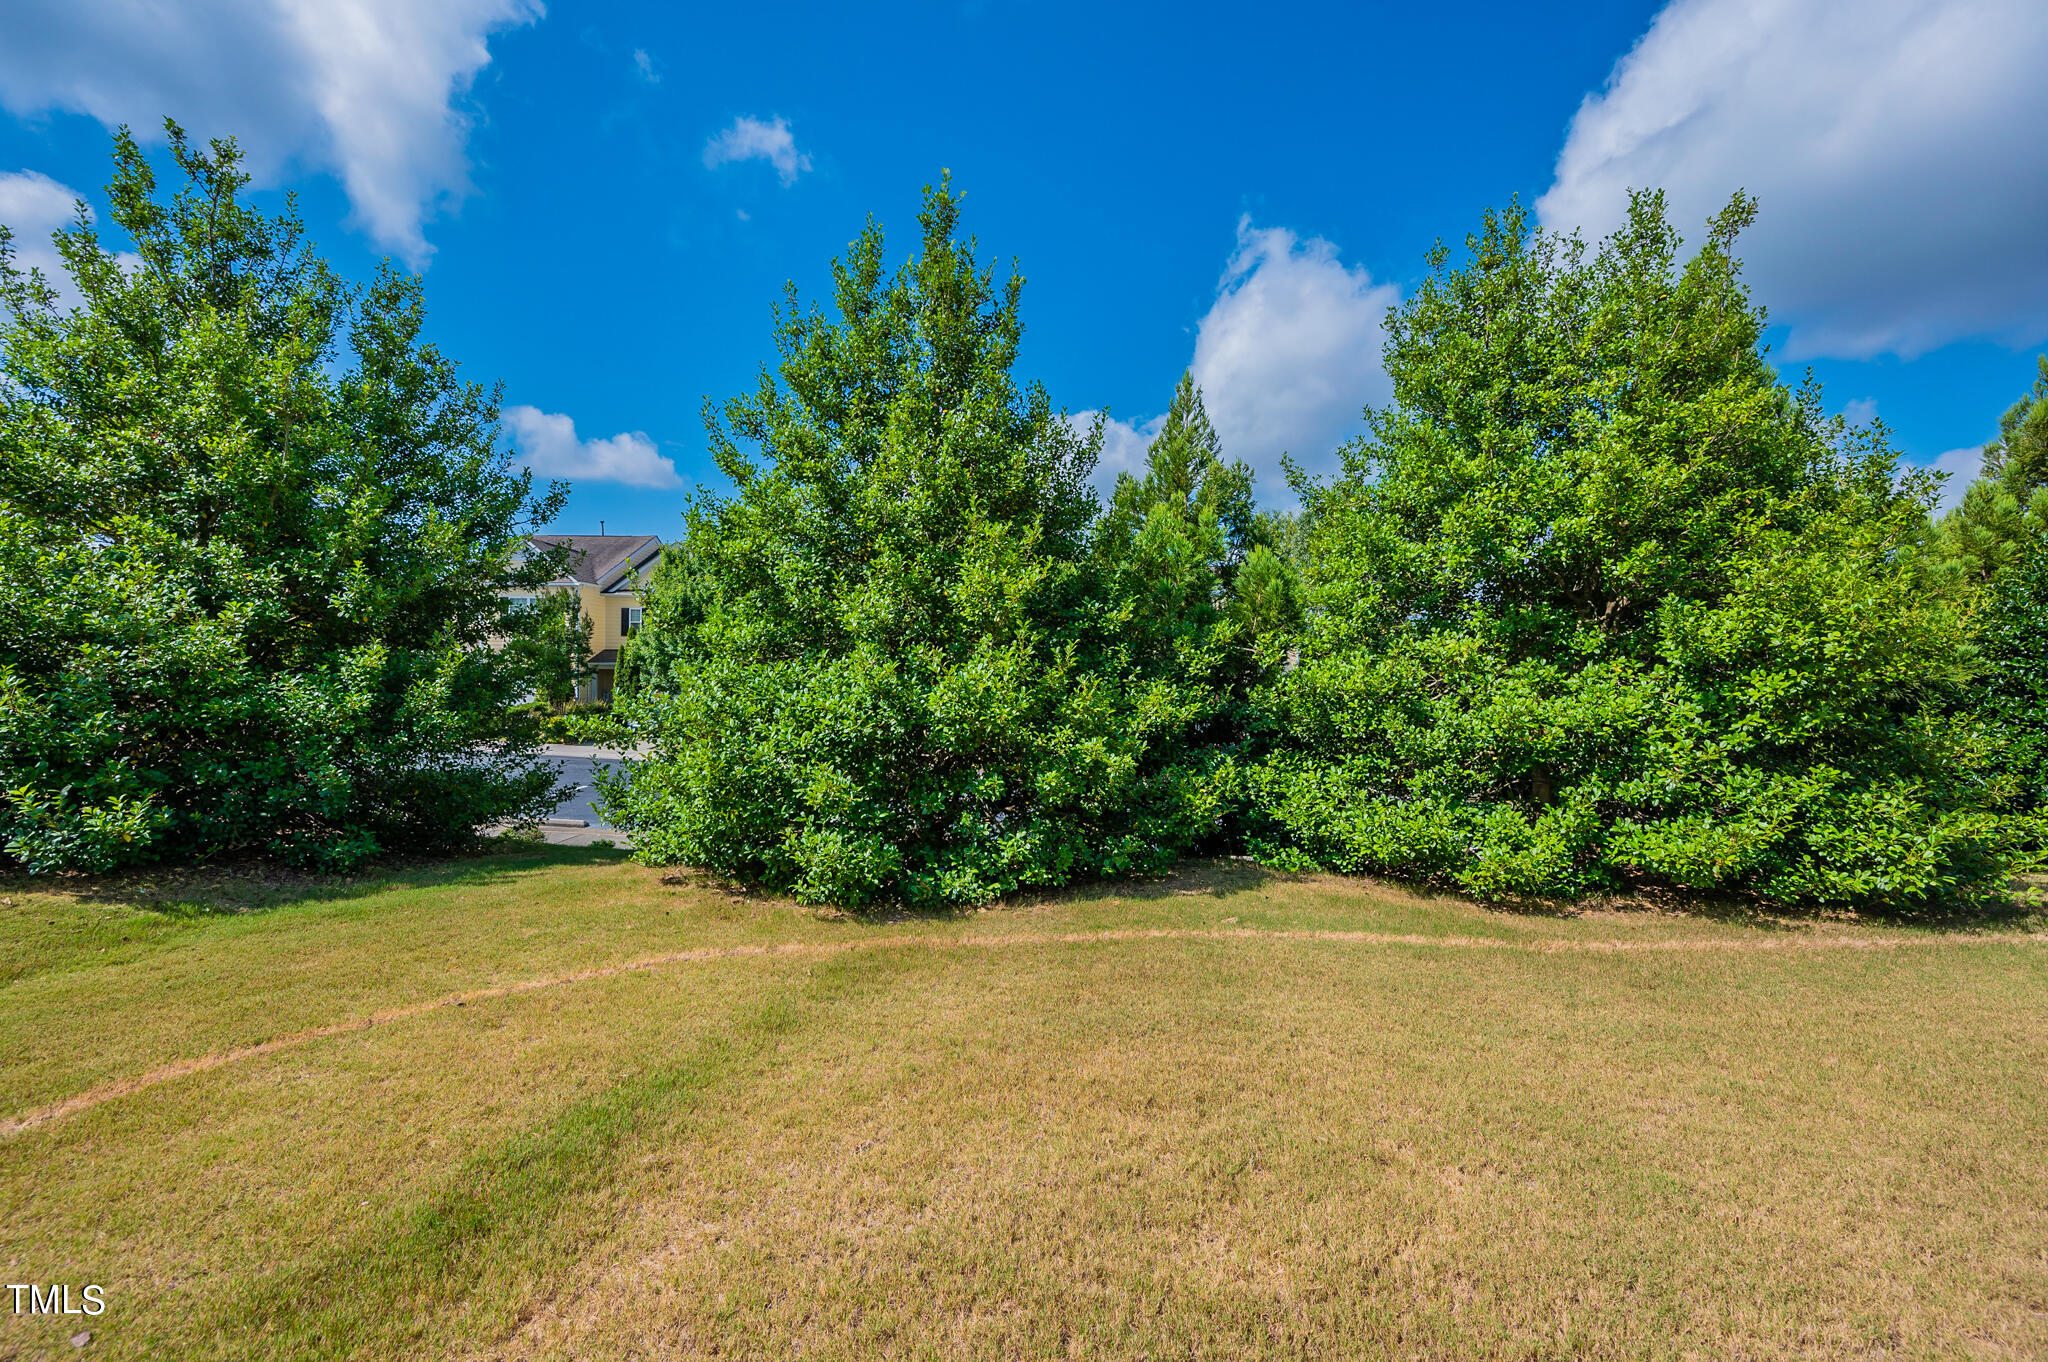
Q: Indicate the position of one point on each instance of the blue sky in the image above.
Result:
(606, 201)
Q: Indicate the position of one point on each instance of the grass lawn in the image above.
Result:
(543, 1105)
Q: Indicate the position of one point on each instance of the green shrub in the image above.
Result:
(891, 666)
(2013, 692)
(1599, 601)
(585, 721)
(252, 538)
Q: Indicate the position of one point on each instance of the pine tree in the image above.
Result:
(2006, 508)
(1186, 473)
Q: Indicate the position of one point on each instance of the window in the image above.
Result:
(629, 620)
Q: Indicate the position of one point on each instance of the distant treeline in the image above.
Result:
(1596, 601)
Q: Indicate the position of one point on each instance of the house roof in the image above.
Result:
(603, 560)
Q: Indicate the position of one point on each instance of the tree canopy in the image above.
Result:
(892, 670)
(254, 532)
(1598, 601)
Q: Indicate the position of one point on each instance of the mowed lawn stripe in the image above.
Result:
(1227, 1114)
(1203, 1151)
(15, 1123)
(475, 1255)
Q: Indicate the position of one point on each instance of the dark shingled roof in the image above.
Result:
(601, 559)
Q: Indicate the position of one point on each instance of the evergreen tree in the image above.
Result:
(1599, 601)
(1185, 536)
(2006, 509)
(906, 683)
(1999, 538)
(1185, 472)
(254, 535)
(2011, 695)
(2019, 456)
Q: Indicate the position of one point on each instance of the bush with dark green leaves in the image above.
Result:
(1599, 602)
(891, 664)
(2012, 693)
(253, 539)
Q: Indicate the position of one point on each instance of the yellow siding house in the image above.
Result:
(604, 570)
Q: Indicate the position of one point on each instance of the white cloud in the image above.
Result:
(750, 139)
(1895, 148)
(1860, 411)
(1287, 358)
(364, 89)
(1289, 355)
(546, 442)
(1123, 444)
(643, 66)
(33, 205)
(1962, 467)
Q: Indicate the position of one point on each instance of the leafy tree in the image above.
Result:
(549, 643)
(675, 600)
(905, 682)
(253, 534)
(1598, 600)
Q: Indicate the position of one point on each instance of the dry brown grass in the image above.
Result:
(544, 1106)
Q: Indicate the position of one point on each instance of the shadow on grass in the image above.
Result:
(2017, 907)
(2023, 904)
(1213, 877)
(258, 885)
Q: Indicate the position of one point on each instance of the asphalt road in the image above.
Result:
(582, 803)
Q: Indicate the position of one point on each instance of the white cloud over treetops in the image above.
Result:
(33, 206)
(1123, 444)
(1287, 357)
(1962, 467)
(1895, 147)
(364, 89)
(546, 442)
(750, 139)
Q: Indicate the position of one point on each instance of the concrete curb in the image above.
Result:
(575, 749)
